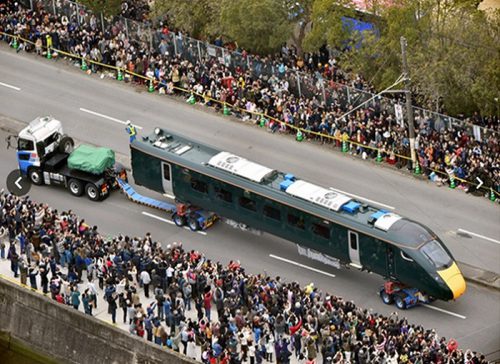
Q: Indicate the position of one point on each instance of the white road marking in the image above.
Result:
(169, 221)
(108, 117)
(437, 309)
(363, 199)
(10, 86)
(301, 265)
(158, 218)
(478, 236)
(445, 311)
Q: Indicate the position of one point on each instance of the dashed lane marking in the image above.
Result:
(462, 231)
(445, 311)
(108, 117)
(301, 265)
(158, 218)
(442, 310)
(169, 221)
(10, 86)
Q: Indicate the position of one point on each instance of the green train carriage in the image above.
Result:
(322, 222)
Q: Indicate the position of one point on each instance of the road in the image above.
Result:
(50, 88)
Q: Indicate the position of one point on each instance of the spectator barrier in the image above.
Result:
(265, 119)
(302, 83)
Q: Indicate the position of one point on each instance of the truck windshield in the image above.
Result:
(436, 254)
(25, 144)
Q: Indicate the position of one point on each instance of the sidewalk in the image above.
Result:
(102, 314)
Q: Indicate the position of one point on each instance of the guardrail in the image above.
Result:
(265, 119)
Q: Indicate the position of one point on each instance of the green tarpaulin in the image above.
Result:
(91, 159)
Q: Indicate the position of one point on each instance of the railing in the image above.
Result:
(173, 45)
(301, 83)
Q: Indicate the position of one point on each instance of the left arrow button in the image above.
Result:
(17, 184)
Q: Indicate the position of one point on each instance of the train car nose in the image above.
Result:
(453, 279)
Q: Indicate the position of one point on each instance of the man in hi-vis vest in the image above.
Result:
(131, 131)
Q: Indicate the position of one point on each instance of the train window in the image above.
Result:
(321, 230)
(353, 240)
(272, 212)
(199, 186)
(223, 194)
(296, 221)
(248, 204)
(436, 254)
(406, 256)
(166, 171)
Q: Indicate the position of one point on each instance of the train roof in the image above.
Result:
(285, 188)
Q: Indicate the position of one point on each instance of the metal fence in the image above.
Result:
(300, 83)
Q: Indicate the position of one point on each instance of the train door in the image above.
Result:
(166, 172)
(391, 264)
(354, 249)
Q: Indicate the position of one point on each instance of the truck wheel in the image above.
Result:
(92, 192)
(35, 176)
(66, 145)
(386, 297)
(399, 299)
(179, 220)
(193, 223)
(75, 187)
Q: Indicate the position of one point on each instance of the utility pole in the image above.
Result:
(409, 107)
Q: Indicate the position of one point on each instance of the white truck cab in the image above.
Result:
(38, 141)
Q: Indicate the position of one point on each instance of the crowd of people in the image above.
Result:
(268, 85)
(214, 313)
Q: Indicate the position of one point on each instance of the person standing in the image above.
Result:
(112, 307)
(44, 271)
(23, 270)
(14, 259)
(75, 297)
(92, 294)
(132, 133)
(187, 293)
(3, 239)
(207, 303)
(32, 273)
(122, 302)
(87, 303)
(146, 280)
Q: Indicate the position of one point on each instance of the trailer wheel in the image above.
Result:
(66, 145)
(35, 176)
(387, 298)
(92, 192)
(399, 299)
(193, 223)
(179, 220)
(75, 187)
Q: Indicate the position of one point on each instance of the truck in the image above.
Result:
(47, 156)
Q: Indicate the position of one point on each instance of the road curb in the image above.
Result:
(480, 276)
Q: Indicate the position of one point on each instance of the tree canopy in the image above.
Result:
(453, 48)
(453, 54)
(199, 17)
(107, 7)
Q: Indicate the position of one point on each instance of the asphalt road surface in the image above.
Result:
(46, 87)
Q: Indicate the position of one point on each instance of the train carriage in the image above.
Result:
(323, 222)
